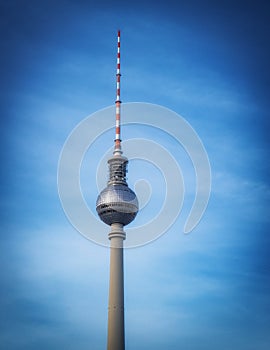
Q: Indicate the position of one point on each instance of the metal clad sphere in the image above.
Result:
(117, 204)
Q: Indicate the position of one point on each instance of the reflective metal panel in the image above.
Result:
(117, 203)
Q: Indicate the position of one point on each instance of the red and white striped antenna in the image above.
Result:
(117, 144)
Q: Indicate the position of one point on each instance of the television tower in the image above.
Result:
(117, 206)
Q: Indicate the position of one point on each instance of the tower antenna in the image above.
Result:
(117, 144)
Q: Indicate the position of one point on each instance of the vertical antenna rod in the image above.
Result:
(117, 145)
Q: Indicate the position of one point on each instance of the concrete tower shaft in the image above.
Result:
(116, 315)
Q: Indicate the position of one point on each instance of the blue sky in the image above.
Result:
(205, 60)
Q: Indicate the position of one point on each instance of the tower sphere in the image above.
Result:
(117, 203)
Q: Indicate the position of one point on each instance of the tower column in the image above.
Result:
(117, 206)
(116, 327)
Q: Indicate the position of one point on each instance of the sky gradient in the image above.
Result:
(207, 61)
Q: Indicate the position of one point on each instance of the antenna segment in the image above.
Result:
(117, 145)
